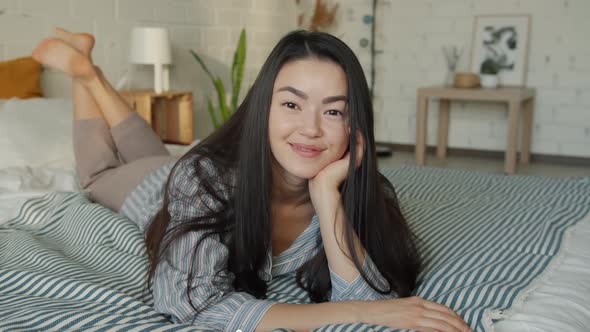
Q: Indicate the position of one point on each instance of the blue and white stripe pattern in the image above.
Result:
(67, 264)
(484, 237)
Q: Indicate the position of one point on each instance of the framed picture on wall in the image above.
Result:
(502, 40)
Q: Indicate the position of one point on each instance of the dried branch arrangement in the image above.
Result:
(322, 18)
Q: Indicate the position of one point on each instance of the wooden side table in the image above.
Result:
(520, 100)
(169, 113)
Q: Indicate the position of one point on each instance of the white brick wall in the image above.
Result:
(210, 27)
(411, 34)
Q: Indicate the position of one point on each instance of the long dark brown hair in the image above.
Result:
(242, 220)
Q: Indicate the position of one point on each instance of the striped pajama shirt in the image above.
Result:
(217, 305)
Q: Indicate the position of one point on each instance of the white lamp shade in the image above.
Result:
(150, 46)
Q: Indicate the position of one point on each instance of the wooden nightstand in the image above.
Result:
(169, 113)
(520, 102)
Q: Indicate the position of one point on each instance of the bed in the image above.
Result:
(507, 253)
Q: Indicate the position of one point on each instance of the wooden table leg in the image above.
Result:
(421, 117)
(527, 128)
(443, 128)
(511, 146)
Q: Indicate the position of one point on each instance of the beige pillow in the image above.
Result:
(20, 78)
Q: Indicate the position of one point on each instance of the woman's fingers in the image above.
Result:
(450, 322)
(360, 148)
(444, 313)
(419, 314)
(441, 308)
(427, 329)
(437, 325)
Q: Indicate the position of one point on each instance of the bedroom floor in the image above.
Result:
(489, 165)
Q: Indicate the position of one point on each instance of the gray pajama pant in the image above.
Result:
(111, 163)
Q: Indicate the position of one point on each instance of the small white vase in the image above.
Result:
(488, 81)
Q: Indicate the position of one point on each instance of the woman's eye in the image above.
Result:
(290, 105)
(334, 113)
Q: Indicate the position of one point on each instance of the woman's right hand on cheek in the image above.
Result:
(413, 313)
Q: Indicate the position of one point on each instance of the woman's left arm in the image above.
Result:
(347, 283)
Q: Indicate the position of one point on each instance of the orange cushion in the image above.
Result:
(20, 78)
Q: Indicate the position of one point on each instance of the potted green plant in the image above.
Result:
(489, 73)
(220, 114)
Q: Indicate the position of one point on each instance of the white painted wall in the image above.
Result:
(210, 27)
(411, 34)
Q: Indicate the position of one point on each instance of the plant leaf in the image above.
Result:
(237, 70)
(220, 93)
(212, 113)
(221, 99)
(200, 61)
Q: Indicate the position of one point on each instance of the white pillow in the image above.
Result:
(36, 132)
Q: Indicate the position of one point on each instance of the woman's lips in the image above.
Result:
(306, 151)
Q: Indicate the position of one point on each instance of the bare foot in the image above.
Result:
(83, 42)
(58, 54)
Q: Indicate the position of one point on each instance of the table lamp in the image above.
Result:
(151, 46)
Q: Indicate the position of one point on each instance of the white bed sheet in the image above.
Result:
(560, 300)
(17, 184)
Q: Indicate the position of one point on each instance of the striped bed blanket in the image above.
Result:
(69, 265)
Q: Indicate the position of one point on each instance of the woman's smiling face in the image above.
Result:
(308, 121)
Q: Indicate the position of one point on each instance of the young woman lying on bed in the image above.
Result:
(273, 184)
